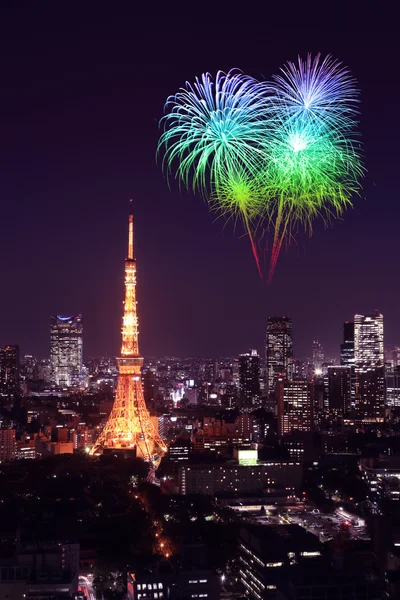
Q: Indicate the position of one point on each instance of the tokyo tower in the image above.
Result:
(129, 425)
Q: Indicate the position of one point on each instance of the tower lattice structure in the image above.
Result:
(129, 425)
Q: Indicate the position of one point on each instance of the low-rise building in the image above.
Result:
(8, 446)
(236, 478)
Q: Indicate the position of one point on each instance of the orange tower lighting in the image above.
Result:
(129, 425)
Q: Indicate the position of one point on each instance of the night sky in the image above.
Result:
(82, 90)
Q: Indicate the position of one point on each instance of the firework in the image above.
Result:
(317, 91)
(313, 164)
(213, 138)
(280, 152)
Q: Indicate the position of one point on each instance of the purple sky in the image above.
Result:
(81, 95)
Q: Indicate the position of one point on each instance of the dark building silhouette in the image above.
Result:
(347, 348)
(249, 380)
(339, 391)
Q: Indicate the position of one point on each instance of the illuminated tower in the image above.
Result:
(129, 425)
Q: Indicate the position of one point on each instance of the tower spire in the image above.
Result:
(131, 255)
(129, 425)
(130, 325)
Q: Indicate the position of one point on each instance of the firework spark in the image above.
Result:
(283, 152)
(213, 138)
(313, 163)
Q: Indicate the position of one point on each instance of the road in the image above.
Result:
(86, 586)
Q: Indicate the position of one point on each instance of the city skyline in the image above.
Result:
(65, 163)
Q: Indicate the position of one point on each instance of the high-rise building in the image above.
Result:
(9, 371)
(370, 384)
(249, 380)
(295, 405)
(317, 356)
(66, 351)
(370, 393)
(393, 386)
(339, 391)
(130, 426)
(392, 356)
(347, 355)
(368, 340)
(347, 348)
(278, 351)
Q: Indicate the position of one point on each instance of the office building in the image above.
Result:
(278, 351)
(267, 554)
(393, 386)
(249, 380)
(191, 577)
(339, 381)
(396, 356)
(317, 356)
(241, 477)
(289, 563)
(368, 340)
(66, 351)
(41, 571)
(295, 405)
(347, 348)
(370, 393)
(370, 384)
(8, 447)
(9, 371)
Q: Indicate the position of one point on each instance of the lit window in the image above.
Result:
(160, 586)
(139, 587)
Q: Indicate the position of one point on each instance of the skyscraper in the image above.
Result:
(295, 405)
(347, 348)
(66, 351)
(317, 356)
(339, 391)
(370, 385)
(393, 386)
(368, 340)
(249, 380)
(278, 351)
(9, 370)
(129, 426)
